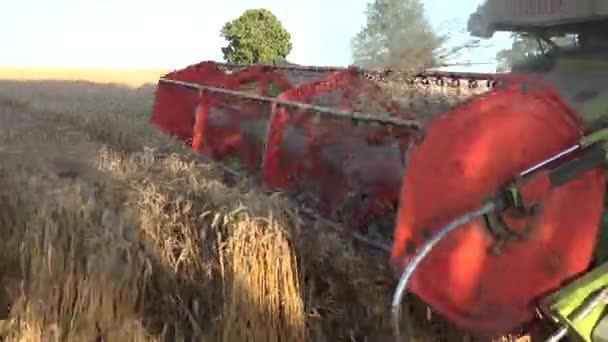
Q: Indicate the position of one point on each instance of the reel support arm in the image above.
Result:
(593, 153)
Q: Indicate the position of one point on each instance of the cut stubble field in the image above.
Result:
(113, 231)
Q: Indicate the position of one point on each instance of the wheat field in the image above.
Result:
(128, 77)
(112, 231)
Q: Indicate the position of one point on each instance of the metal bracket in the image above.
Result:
(579, 306)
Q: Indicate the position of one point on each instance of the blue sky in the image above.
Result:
(175, 33)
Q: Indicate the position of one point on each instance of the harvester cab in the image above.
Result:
(572, 38)
(501, 209)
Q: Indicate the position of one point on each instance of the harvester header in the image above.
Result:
(463, 191)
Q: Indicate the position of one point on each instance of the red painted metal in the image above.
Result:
(354, 170)
(336, 159)
(174, 106)
(231, 126)
(466, 157)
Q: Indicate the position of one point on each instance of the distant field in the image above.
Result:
(133, 78)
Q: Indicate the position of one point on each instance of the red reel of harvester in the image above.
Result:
(353, 172)
(466, 157)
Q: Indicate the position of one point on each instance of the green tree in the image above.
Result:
(257, 36)
(397, 35)
(526, 46)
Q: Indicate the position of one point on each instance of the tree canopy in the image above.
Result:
(257, 36)
(525, 46)
(397, 35)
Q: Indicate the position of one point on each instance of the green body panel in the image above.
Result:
(561, 304)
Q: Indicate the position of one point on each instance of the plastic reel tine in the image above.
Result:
(316, 117)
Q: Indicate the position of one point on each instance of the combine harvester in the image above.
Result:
(493, 207)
